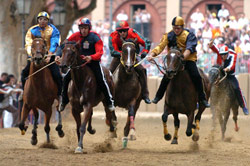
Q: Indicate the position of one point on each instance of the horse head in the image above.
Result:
(128, 55)
(70, 56)
(216, 75)
(173, 63)
(38, 50)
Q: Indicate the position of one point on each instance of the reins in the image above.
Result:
(218, 81)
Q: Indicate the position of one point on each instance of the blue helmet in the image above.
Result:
(84, 21)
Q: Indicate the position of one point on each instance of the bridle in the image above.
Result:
(219, 79)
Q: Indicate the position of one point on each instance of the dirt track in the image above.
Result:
(150, 148)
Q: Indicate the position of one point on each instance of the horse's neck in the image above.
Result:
(40, 74)
(79, 75)
(124, 75)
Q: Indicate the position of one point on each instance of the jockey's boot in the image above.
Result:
(241, 100)
(202, 100)
(245, 111)
(161, 91)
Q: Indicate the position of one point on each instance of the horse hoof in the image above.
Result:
(132, 135)
(167, 137)
(33, 141)
(91, 131)
(78, 150)
(113, 134)
(61, 134)
(23, 132)
(195, 136)
(132, 138)
(174, 141)
(124, 142)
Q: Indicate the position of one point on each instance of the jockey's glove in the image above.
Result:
(143, 55)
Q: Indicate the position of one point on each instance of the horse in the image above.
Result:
(181, 96)
(222, 98)
(127, 87)
(84, 93)
(40, 91)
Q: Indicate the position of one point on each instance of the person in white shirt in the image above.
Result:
(223, 12)
(5, 104)
(122, 16)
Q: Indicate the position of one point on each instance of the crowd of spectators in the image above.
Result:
(227, 29)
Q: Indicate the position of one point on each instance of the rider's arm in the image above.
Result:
(142, 41)
(98, 49)
(28, 42)
(113, 47)
(54, 40)
(191, 44)
(158, 49)
(232, 63)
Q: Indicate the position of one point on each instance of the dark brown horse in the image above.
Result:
(84, 93)
(222, 99)
(128, 88)
(181, 96)
(40, 91)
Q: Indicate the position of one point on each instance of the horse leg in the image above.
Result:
(235, 118)
(47, 127)
(90, 129)
(164, 118)
(177, 126)
(59, 125)
(219, 115)
(190, 126)
(132, 125)
(77, 117)
(226, 116)
(86, 117)
(25, 112)
(111, 122)
(34, 131)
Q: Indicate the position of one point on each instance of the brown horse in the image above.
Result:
(222, 99)
(84, 93)
(127, 88)
(40, 91)
(181, 96)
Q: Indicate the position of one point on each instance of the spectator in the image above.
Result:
(122, 16)
(8, 90)
(137, 19)
(145, 19)
(197, 16)
(223, 12)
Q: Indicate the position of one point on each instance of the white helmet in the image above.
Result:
(223, 50)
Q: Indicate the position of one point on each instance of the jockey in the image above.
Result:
(91, 51)
(115, 46)
(187, 41)
(227, 58)
(51, 35)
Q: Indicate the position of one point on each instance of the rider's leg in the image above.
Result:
(25, 73)
(192, 69)
(65, 99)
(55, 71)
(161, 90)
(142, 72)
(241, 99)
(114, 63)
(102, 83)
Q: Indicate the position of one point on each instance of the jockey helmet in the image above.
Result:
(223, 50)
(43, 14)
(121, 25)
(178, 21)
(84, 21)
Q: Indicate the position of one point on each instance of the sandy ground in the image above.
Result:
(149, 149)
